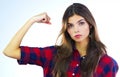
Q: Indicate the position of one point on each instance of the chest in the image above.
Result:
(74, 66)
(73, 70)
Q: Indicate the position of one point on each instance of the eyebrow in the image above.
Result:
(78, 21)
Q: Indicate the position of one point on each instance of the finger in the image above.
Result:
(44, 20)
(47, 19)
(48, 23)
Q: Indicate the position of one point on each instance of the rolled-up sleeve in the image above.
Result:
(36, 55)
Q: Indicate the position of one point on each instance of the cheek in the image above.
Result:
(87, 31)
(70, 32)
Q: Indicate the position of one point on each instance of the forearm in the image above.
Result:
(12, 49)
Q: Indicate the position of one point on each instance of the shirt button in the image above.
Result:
(77, 65)
(73, 74)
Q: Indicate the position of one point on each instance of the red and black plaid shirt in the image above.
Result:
(107, 66)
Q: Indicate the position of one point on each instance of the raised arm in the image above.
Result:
(13, 48)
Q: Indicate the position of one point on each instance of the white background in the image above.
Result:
(14, 13)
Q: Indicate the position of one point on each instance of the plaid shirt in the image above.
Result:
(107, 66)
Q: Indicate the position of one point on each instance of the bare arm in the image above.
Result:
(13, 48)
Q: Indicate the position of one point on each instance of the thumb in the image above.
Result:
(48, 22)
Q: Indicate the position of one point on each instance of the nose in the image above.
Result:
(76, 29)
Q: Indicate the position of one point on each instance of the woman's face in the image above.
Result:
(78, 28)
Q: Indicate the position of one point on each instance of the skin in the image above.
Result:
(13, 48)
(79, 30)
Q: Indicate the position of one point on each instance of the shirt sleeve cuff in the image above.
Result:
(24, 59)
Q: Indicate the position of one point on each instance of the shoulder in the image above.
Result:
(106, 59)
(108, 63)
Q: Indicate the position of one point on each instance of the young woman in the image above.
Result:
(80, 54)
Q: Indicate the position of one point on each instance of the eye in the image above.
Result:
(81, 23)
(69, 25)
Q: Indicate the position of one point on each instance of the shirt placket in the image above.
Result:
(75, 70)
(76, 64)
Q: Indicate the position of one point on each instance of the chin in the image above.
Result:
(78, 40)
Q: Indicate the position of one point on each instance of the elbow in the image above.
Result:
(12, 53)
(6, 53)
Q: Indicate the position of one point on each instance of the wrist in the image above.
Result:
(31, 20)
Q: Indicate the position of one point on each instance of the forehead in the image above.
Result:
(75, 18)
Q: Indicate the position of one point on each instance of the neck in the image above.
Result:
(82, 47)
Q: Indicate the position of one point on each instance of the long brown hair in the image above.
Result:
(95, 47)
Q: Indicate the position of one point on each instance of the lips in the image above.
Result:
(77, 36)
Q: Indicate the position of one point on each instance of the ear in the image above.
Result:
(90, 26)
